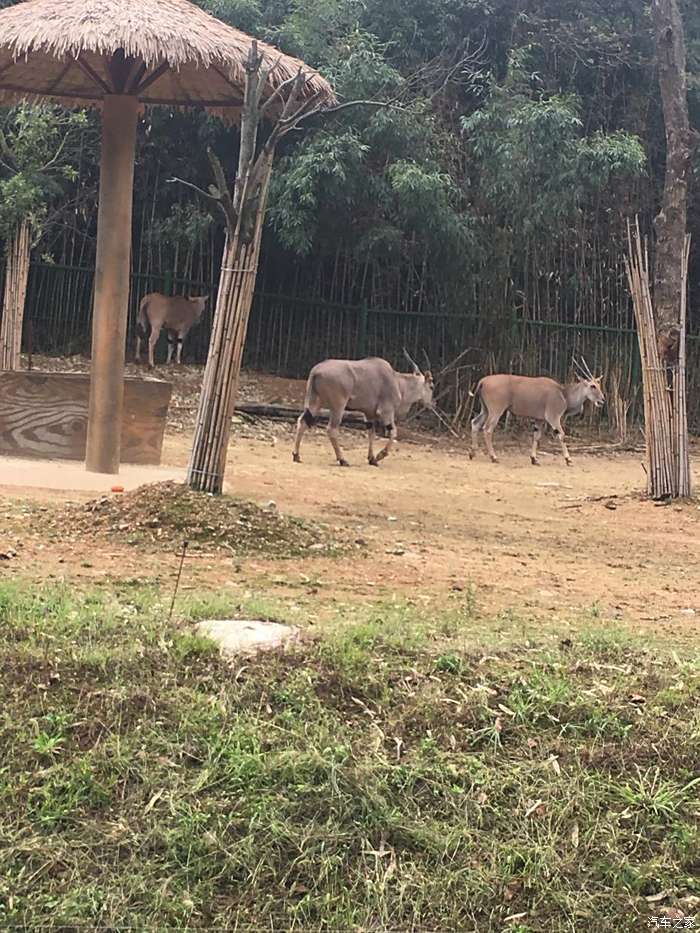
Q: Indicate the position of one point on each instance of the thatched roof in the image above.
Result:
(169, 52)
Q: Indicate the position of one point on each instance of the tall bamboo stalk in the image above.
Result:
(220, 386)
(661, 409)
(244, 212)
(685, 480)
(16, 278)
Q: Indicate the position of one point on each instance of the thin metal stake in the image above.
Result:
(177, 581)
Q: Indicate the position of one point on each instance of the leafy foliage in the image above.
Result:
(536, 169)
(38, 148)
(513, 140)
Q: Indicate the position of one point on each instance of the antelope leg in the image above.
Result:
(536, 435)
(392, 441)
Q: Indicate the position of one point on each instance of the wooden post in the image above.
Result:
(112, 276)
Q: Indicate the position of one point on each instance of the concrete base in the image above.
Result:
(246, 636)
(65, 476)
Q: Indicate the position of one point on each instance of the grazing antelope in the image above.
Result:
(369, 386)
(177, 315)
(538, 398)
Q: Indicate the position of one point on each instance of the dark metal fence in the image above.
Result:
(287, 335)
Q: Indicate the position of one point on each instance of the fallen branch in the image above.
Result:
(445, 422)
(285, 413)
(621, 447)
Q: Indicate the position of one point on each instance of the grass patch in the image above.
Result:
(380, 776)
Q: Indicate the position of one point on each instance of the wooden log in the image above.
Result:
(351, 419)
(45, 415)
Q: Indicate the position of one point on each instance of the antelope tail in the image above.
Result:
(309, 419)
(477, 389)
(142, 318)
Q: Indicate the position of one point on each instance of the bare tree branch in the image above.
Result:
(56, 156)
(200, 191)
(225, 197)
(188, 184)
(278, 92)
(265, 76)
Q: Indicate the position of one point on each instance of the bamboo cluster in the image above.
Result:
(218, 397)
(667, 460)
(17, 276)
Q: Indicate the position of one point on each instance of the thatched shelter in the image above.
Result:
(124, 55)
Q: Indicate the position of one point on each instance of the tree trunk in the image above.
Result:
(670, 460)
(16, 278)
(670, 223)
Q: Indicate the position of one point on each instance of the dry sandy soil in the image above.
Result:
(539, 542)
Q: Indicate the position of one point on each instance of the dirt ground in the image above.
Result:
(431, 525)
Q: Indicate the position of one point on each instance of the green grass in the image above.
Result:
(404, 769)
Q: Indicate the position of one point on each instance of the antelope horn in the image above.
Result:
(414, 366)
(579, 368)
(587, 368)
(428, 367)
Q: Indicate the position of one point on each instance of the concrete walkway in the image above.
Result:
(67, 476)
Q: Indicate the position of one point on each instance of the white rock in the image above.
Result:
(246, 636)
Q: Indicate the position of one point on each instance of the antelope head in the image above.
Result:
(199, 304)
(592, 391)
(426, 396)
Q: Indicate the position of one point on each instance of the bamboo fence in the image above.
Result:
(288, 333)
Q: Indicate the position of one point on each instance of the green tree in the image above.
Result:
(37, 145)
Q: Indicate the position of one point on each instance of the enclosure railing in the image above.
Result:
(287, 335)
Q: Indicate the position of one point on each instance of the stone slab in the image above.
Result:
(246, 636)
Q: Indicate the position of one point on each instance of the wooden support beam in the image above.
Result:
(112, 271)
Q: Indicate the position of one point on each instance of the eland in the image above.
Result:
(369, 386)
(177, 315)
(536, 397)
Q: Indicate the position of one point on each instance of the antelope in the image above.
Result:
(538, 398)
(369, 386)
(177, 315)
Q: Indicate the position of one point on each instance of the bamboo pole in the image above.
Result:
(661, 440)
(15, 294)
(685, 482)
(236, 287)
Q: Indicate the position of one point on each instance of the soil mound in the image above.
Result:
(164, 514)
